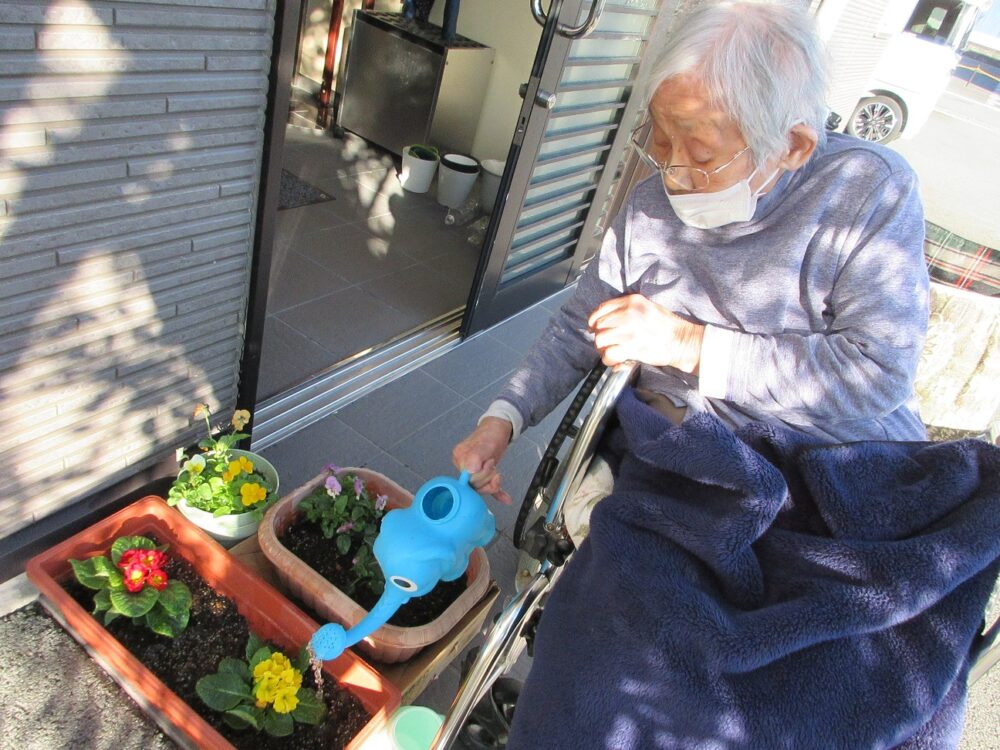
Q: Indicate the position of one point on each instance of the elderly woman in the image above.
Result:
(767, 272)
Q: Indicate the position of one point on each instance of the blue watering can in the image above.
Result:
(416, 547)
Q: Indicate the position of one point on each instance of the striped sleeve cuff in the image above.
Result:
(505, 410)
(716, 359)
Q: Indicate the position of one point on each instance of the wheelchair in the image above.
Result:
(544, 543)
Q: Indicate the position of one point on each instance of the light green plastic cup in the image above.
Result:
(414, 728)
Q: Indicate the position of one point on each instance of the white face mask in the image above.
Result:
(712, 210)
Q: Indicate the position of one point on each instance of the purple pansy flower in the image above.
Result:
(359, 486)
(345, 527)
(333, 487)
(332, 468)
(380, 502)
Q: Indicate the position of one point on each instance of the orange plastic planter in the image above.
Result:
(390, 643)
(269, 614)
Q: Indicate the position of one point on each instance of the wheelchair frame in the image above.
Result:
(544, 540)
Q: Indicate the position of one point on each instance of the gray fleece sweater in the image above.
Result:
(815, 309)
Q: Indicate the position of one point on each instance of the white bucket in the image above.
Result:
(417, 173)
(490, 185)
(458, 175)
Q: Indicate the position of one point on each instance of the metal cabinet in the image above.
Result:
(404, 84)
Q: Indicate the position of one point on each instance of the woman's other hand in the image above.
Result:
(633, 327)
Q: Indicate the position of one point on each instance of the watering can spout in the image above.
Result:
(416, 547)
(331, 640)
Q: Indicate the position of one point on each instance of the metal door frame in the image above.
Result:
(488, 302)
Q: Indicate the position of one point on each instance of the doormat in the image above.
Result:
(295, 192)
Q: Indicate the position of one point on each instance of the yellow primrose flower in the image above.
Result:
(274, 665)
(252, 493)
(195, 464)
(266, 688)
(292, 678)
(286, 700)
(240, 418)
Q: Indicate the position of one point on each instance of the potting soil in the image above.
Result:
(216, 629)
(305, 540)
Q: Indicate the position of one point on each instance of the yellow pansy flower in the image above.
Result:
(240, 418)
(194, 465)
(232, 471)
(252, 493)
(246, 464)
(286, 700)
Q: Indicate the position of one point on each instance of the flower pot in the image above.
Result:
(489, 186)
(458, 175)
(390, 643)
(418, 172)
(232, 527)
(268, 613)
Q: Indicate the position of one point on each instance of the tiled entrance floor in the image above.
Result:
(356, 271)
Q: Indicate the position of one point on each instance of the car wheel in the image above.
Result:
(878, 119)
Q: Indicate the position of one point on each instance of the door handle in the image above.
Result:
(544, 99)
(572, 32)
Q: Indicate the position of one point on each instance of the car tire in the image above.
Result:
(878, 119)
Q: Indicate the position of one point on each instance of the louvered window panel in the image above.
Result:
(581, 132)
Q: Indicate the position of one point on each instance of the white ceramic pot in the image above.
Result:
(232, 527)
(417, 173)
(489, 186)
(457, 176)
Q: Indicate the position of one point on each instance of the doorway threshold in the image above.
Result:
(285, 414)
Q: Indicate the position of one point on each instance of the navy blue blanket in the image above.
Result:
(757, 590)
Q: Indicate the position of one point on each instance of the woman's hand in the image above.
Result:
(633, 327)
(480, 453)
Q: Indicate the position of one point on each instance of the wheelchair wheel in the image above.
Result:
(539, 494)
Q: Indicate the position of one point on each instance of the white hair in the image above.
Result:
(761, 61)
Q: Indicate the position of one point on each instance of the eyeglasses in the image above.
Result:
(678, 176)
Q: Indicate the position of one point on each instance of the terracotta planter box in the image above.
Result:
(269, 614)
(390, 643)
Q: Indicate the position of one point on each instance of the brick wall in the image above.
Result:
(130, 141)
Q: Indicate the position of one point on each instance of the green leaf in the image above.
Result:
(162, 622)
(204, 492)
(311, 709)
(253, 646)
(102, 600)
(86, 574)
(124, 543)
(115, 581)
(340, 504)
(134, 605)
(110, 616)
(222, 691)
(237, 667)
(104, 567)
(242, 717)
(301, 662)
(278, 725)
(343, 543)
(261, 654)
(176, 597)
